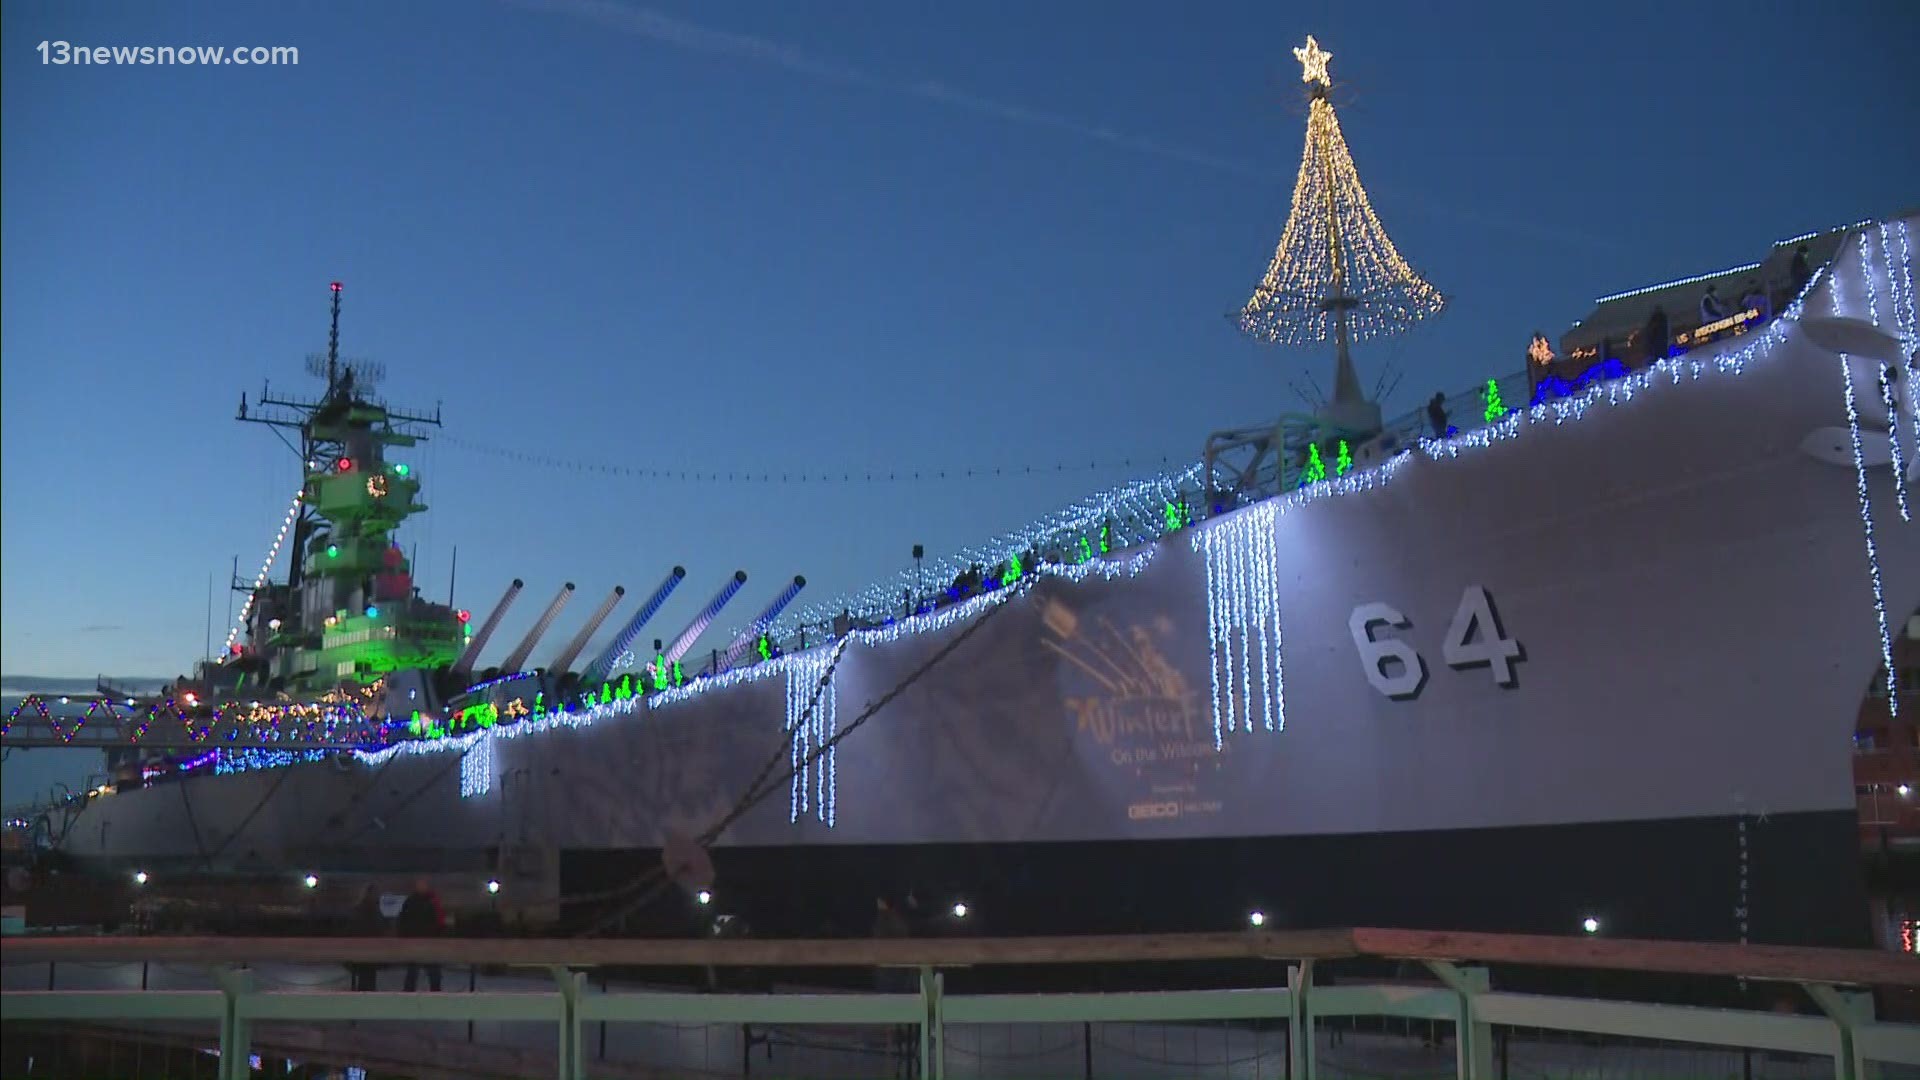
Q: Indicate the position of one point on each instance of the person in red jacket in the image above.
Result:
(422, 917)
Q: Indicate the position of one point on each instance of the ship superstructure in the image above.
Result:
(348, 617)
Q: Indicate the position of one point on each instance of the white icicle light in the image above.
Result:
(1886, 385)
(476, 767)
(1866, 497)
(1243, 617)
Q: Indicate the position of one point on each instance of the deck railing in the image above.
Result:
(1839, 1023)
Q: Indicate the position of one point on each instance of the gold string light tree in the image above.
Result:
(1336, 273)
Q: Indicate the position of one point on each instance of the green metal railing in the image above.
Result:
(1840, 1024)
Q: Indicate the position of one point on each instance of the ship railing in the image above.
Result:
(1292, 994)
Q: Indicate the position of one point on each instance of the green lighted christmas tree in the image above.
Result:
(1316, 469)
(1343, 461)
(1495, 407)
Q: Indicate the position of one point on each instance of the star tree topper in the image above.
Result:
(1313, 63)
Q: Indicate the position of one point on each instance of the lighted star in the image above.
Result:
(1313, 63)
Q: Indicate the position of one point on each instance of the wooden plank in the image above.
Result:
(1779, 963)
(1767, 962)
(631, 952)
(406, 1052)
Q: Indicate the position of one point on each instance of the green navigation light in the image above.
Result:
(401, 469)
(333, 551)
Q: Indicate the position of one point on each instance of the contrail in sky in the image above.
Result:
(691, 37)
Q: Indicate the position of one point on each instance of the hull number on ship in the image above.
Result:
(1475, 639)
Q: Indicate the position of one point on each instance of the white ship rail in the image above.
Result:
(1835, 1020)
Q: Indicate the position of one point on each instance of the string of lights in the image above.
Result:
(1908, 320)
(1243, 618)
(1133, 513)
(266, 568)
(714, 475)
(1866, 497)
(1889, 373)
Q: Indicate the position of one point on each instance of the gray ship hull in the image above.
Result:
(1657, 611)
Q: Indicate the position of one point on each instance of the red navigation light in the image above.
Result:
(235, 649)
(335, 286)
(346, 464)
(465, 615)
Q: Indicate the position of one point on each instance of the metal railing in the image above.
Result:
(1839, 1023)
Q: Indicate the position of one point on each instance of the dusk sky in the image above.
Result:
(807, 236)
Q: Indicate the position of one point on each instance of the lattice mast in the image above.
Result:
(1336, 274)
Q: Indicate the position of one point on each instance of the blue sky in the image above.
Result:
(806, 236)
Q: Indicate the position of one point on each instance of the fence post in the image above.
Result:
(235, 984)
(933, 1054)
(1844, 1008)
(1300, 1055)
(1472, 1039)
(573, 1064)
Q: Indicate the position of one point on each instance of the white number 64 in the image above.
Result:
(1397, 671)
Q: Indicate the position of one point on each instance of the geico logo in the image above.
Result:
(1145, 810)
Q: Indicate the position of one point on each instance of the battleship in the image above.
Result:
(1580, 647)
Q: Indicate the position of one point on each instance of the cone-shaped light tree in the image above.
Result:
(1336, 274)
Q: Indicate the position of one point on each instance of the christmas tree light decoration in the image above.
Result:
(1343, 460)
(1243, 617)
(1316, 469)
(1866, 497)
(476, 767)
(1012, 573)
(1335, 275)
(1313, 63)
(1496, 408)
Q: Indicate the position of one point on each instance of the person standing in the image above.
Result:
(1437, 415)
(422, 917)
(367, 922)
(1657, 335)
(1712, 308)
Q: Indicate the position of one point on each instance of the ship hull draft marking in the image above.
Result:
(1243, 621)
